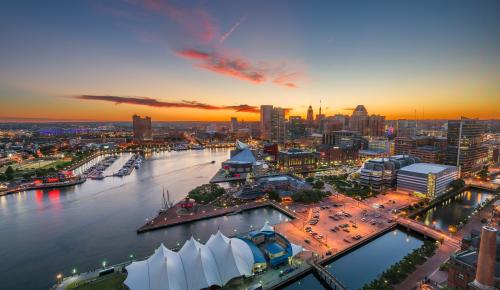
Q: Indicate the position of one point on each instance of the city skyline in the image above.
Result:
(210, 61)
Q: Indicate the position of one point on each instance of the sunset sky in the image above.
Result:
(210, 60)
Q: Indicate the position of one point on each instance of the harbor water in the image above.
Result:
(46, 232)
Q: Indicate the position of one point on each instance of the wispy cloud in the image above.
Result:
(151, 102)
(197, 37)
(240, 68)
(287, 79)
(233, 28)
(226, 65)
(196, 22)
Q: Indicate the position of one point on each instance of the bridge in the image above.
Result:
(487, 185)
(429, 232)
(326, 276)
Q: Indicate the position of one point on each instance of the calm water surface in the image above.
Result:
(453, 210)
(46, 232)
(365, 263)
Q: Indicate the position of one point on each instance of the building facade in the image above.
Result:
(465, 147)
(266, 114)
(142, 128)
(297, 160)
(426, 178)
(380, 173)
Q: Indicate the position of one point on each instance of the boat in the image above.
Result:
(166, 203)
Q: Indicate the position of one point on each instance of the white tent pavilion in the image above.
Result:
(195, 266)
(267, 228)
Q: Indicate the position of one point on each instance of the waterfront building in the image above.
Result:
(213, 264)
(380, 173)
(426, 178)
(266, 113)
(142, 128)
(464, 145)
(242, 160)
(297, 160)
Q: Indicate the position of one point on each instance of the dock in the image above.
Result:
(171, 218)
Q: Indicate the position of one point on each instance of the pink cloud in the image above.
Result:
(151, 102)
(226, 65)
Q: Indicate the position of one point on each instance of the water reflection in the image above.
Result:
(453, 210)
(50, 231)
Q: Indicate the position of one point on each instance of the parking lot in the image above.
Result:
(334, 224)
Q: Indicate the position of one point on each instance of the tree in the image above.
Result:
(206, 193)
(9, 173)
(319, 184)
(458, 183)
(274, 195)
(483, 173)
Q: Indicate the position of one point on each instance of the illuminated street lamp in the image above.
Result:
(104, 264)
(59, 278)
(73, 271)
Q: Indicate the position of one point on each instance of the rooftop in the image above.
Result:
(426, 168)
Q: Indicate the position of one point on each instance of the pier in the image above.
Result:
(171, 218)
(326, 276)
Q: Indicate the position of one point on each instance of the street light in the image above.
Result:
(104, 264)
(73, 271)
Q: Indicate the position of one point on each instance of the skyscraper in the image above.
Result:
(366, 125)
(278, 125)
(266, 113)
(310, 117)
(142, 128)
(234, 124)
(464, 145)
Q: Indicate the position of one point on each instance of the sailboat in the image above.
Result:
(166, 203)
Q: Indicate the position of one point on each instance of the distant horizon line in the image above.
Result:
(8, 120)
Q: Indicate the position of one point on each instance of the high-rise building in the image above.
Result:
(310, 117)
(234, 124)
(142, 128)
(296, 127)
(359, 119)
(366, 125)
(278, 125)
(266, 114)
(464, 145)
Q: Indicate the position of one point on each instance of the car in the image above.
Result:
(307, 241)
(336, 228)
(346, 230)
(347, 241)
(333, 230)
(314, 234)
(355, 226)
(373, 223)
(381, 206)
(321, 236)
